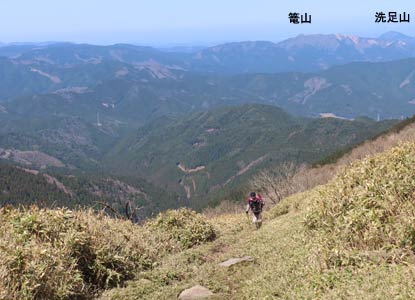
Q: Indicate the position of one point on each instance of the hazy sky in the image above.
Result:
(161, 22)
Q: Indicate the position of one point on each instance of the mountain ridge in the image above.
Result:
(300, 53)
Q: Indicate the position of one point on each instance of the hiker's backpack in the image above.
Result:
(256, 205)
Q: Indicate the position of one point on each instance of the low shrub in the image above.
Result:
(182, 228)
(280, 209)
(61, 254)
(38, 254)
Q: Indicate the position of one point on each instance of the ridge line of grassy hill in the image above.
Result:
(296, 256)
(288, 179)
(335, 157)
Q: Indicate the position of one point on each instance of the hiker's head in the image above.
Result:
(253, 194)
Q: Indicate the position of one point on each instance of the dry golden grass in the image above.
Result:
(368, 211)
(61, 254)
(181, 229)
(284, 266)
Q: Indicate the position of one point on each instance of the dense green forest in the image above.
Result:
(192, 161)
(205, 155)
(18, 187)
(22, 186)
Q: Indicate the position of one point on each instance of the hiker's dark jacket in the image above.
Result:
(255, 204)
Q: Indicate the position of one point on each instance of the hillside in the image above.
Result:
(207, 150)
(382, 90)
(20, 186)
(373, 258)
(296, 251)
(67, 141)
(206, 155)
(295, 255)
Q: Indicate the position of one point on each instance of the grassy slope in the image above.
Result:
(289, 259)
(285, 265)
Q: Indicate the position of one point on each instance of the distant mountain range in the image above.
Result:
(302, 53)
(123, 94)
(351, 76)
(196, 124)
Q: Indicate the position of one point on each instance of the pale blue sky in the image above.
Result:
(161, 22)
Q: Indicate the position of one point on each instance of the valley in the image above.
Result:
(197, 126)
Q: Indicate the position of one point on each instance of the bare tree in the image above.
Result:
(131, 212)
(277, 183)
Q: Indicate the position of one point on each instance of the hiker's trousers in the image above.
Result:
(257, 218)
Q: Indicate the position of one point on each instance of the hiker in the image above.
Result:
(255, 203)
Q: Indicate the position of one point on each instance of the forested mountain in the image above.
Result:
(55, 141)
(206, 154)
(383, 89)
(19, 186)
(25, 186)
(386, 89)
(190, 160)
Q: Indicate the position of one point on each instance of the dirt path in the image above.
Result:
(285, 266)
(270, 247)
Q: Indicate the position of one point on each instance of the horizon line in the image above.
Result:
(188, 44)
